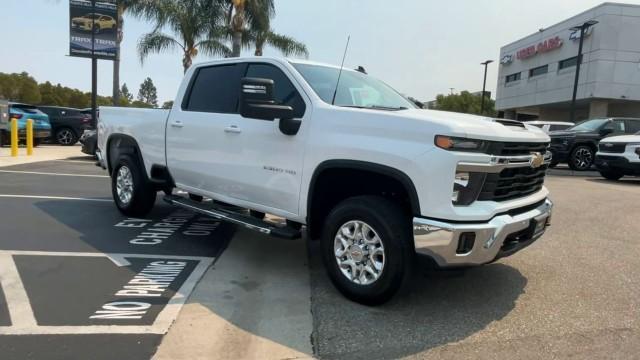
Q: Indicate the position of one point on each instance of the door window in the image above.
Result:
(558, 127)
(215, 89)
(284, 92)
(616, 125)
(633, 126)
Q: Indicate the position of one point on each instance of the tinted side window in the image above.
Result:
(558, 127)
(633, 126)
(216, 89)
(284, 92)
(616, 125)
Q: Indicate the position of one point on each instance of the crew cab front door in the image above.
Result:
(213, 151)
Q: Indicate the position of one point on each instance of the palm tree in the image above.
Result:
(250, 24)
(195, 25)
(135, 7)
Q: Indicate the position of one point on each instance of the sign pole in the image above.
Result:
(94, 67)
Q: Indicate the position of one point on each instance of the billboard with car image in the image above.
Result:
(93, 28)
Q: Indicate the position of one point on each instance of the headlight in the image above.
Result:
(460, 144)
(466, 187)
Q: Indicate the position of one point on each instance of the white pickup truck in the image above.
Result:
(376, 179)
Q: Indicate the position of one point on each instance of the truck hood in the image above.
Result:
(478, 127)
(622, 139)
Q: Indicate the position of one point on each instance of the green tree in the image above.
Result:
(125, 96)
(148, 93)
(250, 24)
(465, 102)
(167, 104)
(195, 27)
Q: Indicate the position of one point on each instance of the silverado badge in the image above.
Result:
(537, 160)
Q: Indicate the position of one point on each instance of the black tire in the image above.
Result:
(66, 137)
(611, 175)
(390, 222)
(4, 138)
(256, 214)
(143, 193)
(37, 142)
(581, 158)
(196, 198)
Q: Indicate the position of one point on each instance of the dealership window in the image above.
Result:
(540, 70)
(513, 77)
(567, 63)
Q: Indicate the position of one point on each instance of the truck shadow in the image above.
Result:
(439, 307)
(625, 181)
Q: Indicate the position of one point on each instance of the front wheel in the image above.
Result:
(133, 195)
(581, 158)
(367, 248)
(611, 175)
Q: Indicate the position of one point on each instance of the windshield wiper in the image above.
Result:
(376, 107)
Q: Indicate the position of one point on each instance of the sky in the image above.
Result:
(420, 47)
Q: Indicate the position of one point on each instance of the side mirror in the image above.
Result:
(256, 101)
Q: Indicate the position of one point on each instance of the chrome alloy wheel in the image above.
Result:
(583, 159)
(359, 252)
(64, 137)
(124, 185)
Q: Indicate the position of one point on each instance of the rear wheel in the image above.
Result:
(133, 195)
(66, 137)
(581, 158)
(611, 175)
(367, 248)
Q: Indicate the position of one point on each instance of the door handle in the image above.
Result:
(233, 129)
(177, 124)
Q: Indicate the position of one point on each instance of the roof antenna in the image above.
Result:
(333, 102)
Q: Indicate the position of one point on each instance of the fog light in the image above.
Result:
(465, 243)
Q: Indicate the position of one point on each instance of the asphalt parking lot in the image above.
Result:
(79, 280)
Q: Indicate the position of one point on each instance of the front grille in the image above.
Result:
(517, 148)
(612, 148)
(512, 183)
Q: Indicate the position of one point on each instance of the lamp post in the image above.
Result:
(484, 84)
(583, 29)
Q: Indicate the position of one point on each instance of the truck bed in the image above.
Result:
(146, 126)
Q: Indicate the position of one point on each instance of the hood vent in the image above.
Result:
(506, 122)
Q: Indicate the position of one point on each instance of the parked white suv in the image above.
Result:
(376, 179)
(618, 156)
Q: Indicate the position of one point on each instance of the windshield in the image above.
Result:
(590, 125)
(355, 89)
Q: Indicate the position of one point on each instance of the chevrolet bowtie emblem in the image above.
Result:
(537, 160)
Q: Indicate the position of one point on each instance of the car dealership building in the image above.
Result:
(536, 74)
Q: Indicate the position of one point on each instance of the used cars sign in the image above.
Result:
(93, 28)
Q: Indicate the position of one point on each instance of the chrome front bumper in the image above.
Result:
(502, 236)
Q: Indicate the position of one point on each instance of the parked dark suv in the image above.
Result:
(67, 124)
(578, 145)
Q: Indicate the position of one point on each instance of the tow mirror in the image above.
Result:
(257, 102)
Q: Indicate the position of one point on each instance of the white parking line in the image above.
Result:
(16, 296)
(20, 307)
(51, 197)
(92, 162)
(51, 174)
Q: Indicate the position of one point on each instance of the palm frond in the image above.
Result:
(287, 45)
(156, 42)
(214, 47)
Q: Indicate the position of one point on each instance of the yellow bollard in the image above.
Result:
(30, 137)
(14, 137)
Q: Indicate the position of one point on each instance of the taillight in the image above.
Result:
(15, 116)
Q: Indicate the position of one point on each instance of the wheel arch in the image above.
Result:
(384, 178)
(120, 144)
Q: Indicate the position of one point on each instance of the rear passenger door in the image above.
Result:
(198, 153)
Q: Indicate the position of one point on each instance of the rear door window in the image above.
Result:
(215, 89)
(558, 127)
(633, 126)
(284, 92)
